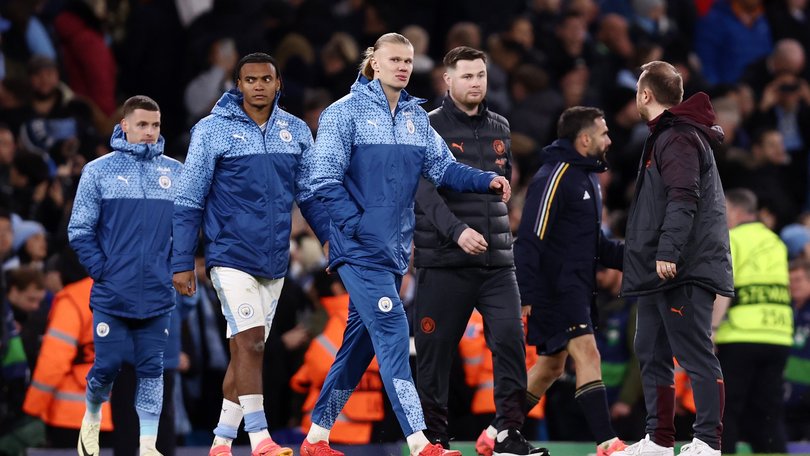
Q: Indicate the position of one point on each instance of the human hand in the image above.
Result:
(525, 311)
(666, 270)
(501, 185)
(184, 283)
(471, 242)
(295, 338)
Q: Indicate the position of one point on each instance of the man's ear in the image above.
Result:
(124, 125)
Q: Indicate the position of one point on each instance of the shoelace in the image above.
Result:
(637, 447)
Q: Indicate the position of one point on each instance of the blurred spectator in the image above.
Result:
(765, 171)
(521, 31)
(651, 23)
(89, 64)
(26, 38)
(741, 22)
(26, 295)
(57, 390)
(797, 239)
(338, 64)
(615, 49)
(463, 34)
(205, 89)
(787, 57)
(754, 328)
(315, 101)
(17, 432)
(797, 371)
(55, 123)
(30, 245)
(571, 47)
(789, 19)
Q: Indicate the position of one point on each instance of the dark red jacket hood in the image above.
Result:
(696, 110)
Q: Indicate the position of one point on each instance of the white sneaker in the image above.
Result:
(698, 448)
(646, 447)
(88, 439)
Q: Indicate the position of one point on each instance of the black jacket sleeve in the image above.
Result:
(611, 252)
(679, 165)
(437, 212)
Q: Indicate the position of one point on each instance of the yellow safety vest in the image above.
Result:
(760, 312)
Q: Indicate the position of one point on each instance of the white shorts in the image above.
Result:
(247, 301)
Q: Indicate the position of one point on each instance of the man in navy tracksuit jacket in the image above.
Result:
(239, 184)
(372, 147)
(121, 231)
(559, 244)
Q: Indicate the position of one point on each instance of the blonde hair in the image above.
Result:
(388, 38)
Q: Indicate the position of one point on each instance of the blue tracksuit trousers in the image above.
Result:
(376, 325)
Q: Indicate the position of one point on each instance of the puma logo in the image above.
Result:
(677, 311)
(372, 122)
(123, 179)
(240, 137)
(459, 146)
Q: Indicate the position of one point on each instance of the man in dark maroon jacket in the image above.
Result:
(676, 259)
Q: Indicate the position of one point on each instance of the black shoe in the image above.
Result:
(516, 445)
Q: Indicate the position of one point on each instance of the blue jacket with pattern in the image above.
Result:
(365, 168)
(121, 228)
(239, 183)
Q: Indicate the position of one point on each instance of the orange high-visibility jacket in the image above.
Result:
(478, 368)
(683, 389)
(353, 425)
(56, 394)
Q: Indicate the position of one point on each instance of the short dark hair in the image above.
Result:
(761, 133)
(664, 82)
(255, 57)
(23, 277)
(573, 120)
(139, 102)
(742, 198)
(462, 53)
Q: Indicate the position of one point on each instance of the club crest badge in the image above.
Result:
(385, 304)
(285, 135)
(164, 182)
(410, 126)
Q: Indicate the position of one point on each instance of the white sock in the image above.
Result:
(148, 443)
(317, 433)
(92, 417)
(417, 442)
(502, 435)
(491, 432)
(231, 416)
(254, 403)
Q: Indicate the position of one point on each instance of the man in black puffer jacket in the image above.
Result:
(676, 259)
(464, 261)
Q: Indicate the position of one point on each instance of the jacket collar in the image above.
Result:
(230, 106)
(118, 141)
(373, 90)
(562, 150)
(450, 105)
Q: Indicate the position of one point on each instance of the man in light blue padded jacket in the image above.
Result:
(372, 147)
(121, 230)
(239, 184)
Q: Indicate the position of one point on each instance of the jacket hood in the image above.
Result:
(373, 90)
(563, 150)
(118, 141)
(230, 106)
(697, 111)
